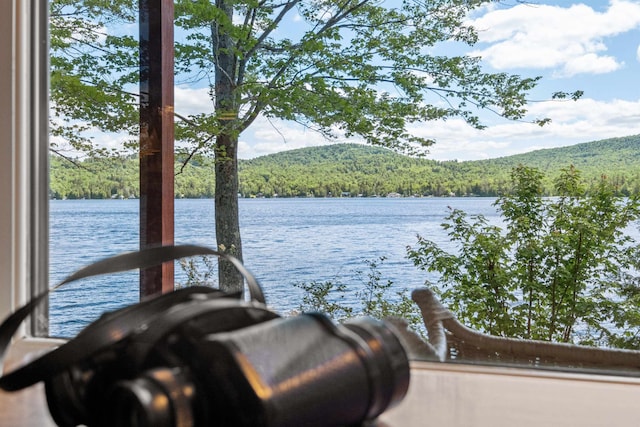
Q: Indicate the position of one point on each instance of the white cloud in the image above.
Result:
(272, 136)
(638, 53)
(570, 40)
(573, 122)
(590, 63)
(192, 101)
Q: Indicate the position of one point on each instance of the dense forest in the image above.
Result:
(349, 170)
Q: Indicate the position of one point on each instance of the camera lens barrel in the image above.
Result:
(305, 370)
(385, 357)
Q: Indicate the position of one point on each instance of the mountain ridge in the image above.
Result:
(359, 170)
(355, 164)
(620, 147)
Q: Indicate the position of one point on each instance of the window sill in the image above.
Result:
(28, 407)
(440, 394)
(456, 395)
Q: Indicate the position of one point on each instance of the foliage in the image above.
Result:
(103, 178)
(369, 171)
(374, 298)
(352, 67)
(325, 297)
(334, 70)
(330, 297)
(561, 269)
(94, 73)
(199, 271)
(352, 170)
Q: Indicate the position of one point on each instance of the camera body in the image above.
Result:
(211, 359)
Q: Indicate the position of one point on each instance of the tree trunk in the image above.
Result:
(226, 169)
(226, 211)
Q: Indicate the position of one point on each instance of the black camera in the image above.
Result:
(201, 357)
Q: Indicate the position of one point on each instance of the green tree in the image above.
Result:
(563, 269)
(373, 298)
(348, 67)
(355, 168)
(94, 74)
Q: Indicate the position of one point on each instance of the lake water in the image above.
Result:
(284, 241)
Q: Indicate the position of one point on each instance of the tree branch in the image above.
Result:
(69, 159)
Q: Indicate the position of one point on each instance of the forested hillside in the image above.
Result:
(352, 170)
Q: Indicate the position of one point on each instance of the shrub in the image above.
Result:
(560, 269)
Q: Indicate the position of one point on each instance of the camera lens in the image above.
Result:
(159, 398)
(66, 394)
(386, 360)
(306, 371)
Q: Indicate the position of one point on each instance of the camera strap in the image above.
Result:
(109, 332)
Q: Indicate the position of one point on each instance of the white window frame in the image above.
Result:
(23, 157)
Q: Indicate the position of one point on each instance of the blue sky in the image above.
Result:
(590, 45)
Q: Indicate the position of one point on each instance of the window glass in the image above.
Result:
(539, 246)
(93, 211)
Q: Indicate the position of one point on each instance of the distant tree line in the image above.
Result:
(118, 178)
(350, 170)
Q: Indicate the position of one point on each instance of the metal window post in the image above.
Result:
(156, 139)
